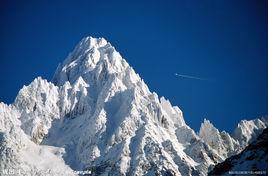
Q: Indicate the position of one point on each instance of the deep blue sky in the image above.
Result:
(223, 41)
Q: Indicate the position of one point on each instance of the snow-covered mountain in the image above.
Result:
(221, 142)
(253, 160)
(98, 115)
(227, 145)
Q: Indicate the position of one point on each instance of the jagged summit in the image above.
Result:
(222, 142)
(99, 115)
(227, 145)
(116, 108)
(91, 59)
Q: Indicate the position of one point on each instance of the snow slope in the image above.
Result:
(97, 114)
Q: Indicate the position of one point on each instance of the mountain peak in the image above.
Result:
(207, 127)
(100, 116)
(91, 56)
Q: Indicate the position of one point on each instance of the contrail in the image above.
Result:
(190, 77)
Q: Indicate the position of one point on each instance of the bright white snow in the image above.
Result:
(99, 115)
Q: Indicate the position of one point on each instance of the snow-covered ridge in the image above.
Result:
(247, 131)
(227, 145)
(99, 115)
(253, 160)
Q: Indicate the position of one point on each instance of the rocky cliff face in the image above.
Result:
(98, 115)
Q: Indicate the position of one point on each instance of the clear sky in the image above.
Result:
(224, 42)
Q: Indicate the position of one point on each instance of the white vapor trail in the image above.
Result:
(190, 77)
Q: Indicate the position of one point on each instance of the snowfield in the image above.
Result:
(97, 115)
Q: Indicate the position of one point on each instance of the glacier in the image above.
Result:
(98, 115)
